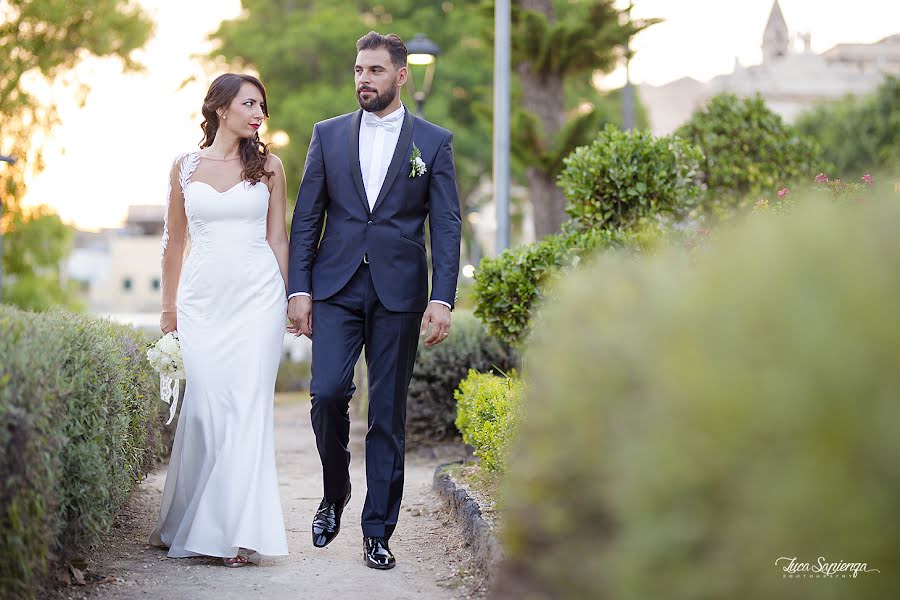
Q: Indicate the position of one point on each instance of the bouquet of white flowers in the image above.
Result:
(165, 357)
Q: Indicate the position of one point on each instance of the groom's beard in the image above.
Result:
(378, 102)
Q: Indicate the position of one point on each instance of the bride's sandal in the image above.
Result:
(244, 557)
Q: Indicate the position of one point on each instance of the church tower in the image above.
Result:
(776, 40)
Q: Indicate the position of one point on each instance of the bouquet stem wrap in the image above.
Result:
(169, 389)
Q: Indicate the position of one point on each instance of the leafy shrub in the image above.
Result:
(859, 134)
(613, 188)
(511, 286)
(430, 407)
(624, 176)
(687, 425)
(748, 148)
(80, 422)
(488, 413)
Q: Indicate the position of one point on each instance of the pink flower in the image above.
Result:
(783, 192)
(867, 179)
(821, 178)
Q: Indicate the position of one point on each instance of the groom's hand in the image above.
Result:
(300, 314)
(438, 316)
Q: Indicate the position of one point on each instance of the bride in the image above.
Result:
(228, 304)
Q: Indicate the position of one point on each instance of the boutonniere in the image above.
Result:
(417, 165)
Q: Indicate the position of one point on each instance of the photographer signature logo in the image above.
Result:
(821, 569)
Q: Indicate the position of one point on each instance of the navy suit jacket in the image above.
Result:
(392, 233)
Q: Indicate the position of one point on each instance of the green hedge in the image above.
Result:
(748, 149)
(292, 376)
(80, 423)
(430, 407)
(625, 176)
(488, 412)
(688, 423)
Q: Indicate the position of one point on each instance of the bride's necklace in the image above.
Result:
(219, 159)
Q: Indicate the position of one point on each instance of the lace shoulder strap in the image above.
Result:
(187, 164)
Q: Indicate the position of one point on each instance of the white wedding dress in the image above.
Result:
(221, 490)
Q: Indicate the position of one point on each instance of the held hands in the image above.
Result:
(438, 316)
(168, 321)
(300, 316)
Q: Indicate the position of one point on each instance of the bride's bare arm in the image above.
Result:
(174, 241)
(276, 229)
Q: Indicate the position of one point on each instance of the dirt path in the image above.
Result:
(431, 560)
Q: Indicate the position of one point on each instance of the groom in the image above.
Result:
(376, 174)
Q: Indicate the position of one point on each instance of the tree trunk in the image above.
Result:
(547, 200)
(542, 95)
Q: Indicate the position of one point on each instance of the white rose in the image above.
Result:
(153, 355)
(167, 344)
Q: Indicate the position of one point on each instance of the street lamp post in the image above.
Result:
(502, 47)
(424, 52)
(10, 160)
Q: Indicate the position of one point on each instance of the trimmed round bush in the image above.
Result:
(625, 176)
(430, 405)
(488, 413)
(748, 148)
(692, 426)
(509, 288)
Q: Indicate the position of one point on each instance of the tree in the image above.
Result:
(859, 134)
(557, 46)
(34, 245)
(44, 40)
(304, 53)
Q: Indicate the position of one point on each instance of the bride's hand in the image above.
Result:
(300, 314)
(168, 321)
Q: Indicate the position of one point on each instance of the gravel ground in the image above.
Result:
(432, 560)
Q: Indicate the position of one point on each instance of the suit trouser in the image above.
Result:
(342, 325)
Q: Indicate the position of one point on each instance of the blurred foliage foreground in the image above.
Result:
(692, 419)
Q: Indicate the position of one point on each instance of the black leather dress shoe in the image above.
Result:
(327, 522)
(377, 553)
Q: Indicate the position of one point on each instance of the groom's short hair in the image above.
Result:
(391, 42)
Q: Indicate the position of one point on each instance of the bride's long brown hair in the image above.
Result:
(253, 152)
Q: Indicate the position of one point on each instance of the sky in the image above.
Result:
(132, 125)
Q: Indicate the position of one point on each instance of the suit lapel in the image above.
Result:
(400, 154)
(353, 152)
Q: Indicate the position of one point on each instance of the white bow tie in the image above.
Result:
(373, 120)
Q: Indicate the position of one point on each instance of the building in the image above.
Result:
(791, 79)
(119, 269)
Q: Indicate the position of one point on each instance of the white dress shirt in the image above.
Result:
(377, 141)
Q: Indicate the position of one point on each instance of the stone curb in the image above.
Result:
(477, 529)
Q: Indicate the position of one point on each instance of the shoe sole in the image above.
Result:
(377, 566)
